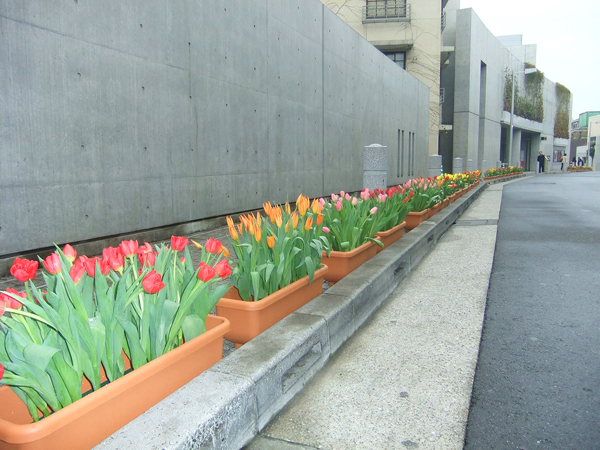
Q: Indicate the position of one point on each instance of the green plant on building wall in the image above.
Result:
(530, 105)
(561, 121)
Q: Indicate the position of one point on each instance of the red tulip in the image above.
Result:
(90, 266)
(206, 272)
(129, 248)
(152, 283)
(9, 302)
(147, 259)
(179, 243)
(70, 252)
(52, 263)
(24, 269)
(78, 269)
(223, 269)
(213, 246)
(113, 257)
(1, 368)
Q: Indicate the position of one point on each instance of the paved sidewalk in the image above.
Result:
(404, 380)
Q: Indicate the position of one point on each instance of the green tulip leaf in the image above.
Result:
(192, 326)
(39, 355)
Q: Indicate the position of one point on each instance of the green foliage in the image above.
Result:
(530, 105)
(562, 120)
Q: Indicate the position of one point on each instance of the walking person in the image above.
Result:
(564, 162)
(541, 159)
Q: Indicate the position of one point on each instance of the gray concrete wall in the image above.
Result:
(125, 116)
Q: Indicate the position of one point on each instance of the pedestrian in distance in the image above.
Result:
(541, 159)
(580, 161)
(574, 161)
(564, 162)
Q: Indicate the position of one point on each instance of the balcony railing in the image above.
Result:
(386, 11)
(442, 95)
(443, 21)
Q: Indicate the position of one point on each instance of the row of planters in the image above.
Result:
(110, 336)
(502, 172)
(579, 169)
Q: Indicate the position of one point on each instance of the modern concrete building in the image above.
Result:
(469, 73)
(478, 79)
(584, 133)
(409, 33)
(592, 141)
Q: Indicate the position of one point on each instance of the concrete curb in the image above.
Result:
(226, 406)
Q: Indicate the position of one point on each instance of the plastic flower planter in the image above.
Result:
(342, 263)
(249, 319)
(434, 209)
(413, 219)
(390, 236)
(96, 416)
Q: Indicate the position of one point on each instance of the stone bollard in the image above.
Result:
(457, 167)
(435, 165)
(498, 164)
(470, 165)
(484, 166)
(375, 166)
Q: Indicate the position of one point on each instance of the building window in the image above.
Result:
(382, 9)
(398, 57)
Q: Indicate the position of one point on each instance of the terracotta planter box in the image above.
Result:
(342, 263)
(453, 197)
(99, 414)
(390, 236)
(413, 219)
(249, 319)
(434, 209)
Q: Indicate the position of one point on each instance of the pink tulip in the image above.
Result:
(373, 210)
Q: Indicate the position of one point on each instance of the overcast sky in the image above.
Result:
(567, 34)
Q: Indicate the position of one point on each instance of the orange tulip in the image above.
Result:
(295, 220)
(271, 241)
(287, 226)
(308, 223)
(302, 204)
(232, 232)
(287, 208)
(199, 247)
(267, 207)
(316, 206)
(319, 219)
(257, 234)
(223, 251)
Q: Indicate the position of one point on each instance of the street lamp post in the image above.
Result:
(512, 110)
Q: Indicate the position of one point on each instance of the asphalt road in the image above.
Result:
(537, 384)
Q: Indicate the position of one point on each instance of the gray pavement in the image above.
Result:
(404, 379)
(537, 384)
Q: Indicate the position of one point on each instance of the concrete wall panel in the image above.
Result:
(125, 116)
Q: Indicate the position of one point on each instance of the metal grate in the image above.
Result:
(386, 11)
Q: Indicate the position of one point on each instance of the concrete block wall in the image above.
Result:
(127, 116)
